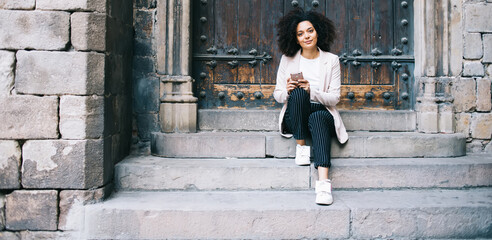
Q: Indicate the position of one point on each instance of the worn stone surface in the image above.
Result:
(178, 117)
(475, 146)
(464, 92)
(435, 214)
(374, 144)
(483, 94)
(214, 215)
(42, 30)
(475, 17)
(473, 69)
(46, 235)
(208, 145)
(267, 120)
(481, 125)
(463, 121)
(446, 118)
(488, 148)
(73, 5)
(154, 173)
(391, 173)
(88, 31)
(32, 210)
(398, 214)
(7, 64)
(146, 94)
(28, 117)
(2, 213)
(17, 4)
(10, 161)
(72, 206)
(487, 48)
(148, 173)
(146, 125)
(66, 164)
(473, 46)
(41, 72)
(4, 235)
(81, 117)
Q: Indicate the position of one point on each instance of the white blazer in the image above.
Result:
(328, 95)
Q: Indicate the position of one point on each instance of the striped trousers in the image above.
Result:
(311, 120)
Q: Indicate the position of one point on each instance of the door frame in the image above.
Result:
(437, 51)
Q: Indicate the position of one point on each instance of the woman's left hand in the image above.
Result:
(304, 84)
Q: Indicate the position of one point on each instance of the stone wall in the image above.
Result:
(65, 120)
(472, 91)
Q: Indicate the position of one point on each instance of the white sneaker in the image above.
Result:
(323, 192)
(303, 154)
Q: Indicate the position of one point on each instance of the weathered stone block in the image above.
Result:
(474, 146)
(10, 236)
(71, 206)
(17, 4)
(489, 70)
(68, 164)
(81, 117)
(73, 5)
(7, 64)
(88, 31)
(483, 95)
(463, 121)
(147, 123)
(473, 46)
(178, 117)
(32, 210)
(60, 73)
(446, 118)
(146, 94)
(464, 93)
(487, 48)
(40, 30)
(28, 117)
(481, 125)
(58, 235)
(476, 17)
(10, 160)
(144, 23)
(145, 3)
(473, 69)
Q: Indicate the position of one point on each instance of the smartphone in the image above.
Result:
(296, 76)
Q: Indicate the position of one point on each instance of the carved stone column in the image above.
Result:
(438, 55)
(178, 108)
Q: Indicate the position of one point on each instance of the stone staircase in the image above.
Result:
(236, 179)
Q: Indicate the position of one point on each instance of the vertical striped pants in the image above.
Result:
(305, 119)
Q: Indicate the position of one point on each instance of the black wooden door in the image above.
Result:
(235, 53)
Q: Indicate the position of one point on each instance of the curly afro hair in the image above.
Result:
(287, 26)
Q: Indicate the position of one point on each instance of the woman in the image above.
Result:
(309, 102)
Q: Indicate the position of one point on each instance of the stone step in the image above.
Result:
(267, 120)
(150, 173)
(409, 214)
(262, 144)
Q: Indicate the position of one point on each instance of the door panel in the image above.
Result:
(235, 53)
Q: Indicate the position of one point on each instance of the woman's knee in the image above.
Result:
(320, 117)
(298, 95)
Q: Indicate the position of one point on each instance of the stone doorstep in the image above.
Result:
(267, 120)
(149, 173)
(291, 214)
(262, 144)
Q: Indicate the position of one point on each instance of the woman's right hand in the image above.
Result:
(291, 85)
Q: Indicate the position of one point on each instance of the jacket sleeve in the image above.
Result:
(331, 96)
(280, 93)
